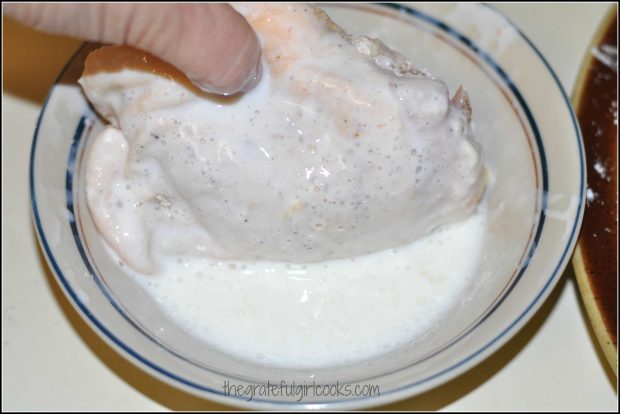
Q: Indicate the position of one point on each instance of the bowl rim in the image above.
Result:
(455, 368)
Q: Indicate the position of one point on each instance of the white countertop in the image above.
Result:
(51, 360)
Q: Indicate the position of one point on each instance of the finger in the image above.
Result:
(211, 43)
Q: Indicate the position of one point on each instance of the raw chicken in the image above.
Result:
(343, 149)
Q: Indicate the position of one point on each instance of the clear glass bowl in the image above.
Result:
(533, 149)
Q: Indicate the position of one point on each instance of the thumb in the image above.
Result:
(211, 43)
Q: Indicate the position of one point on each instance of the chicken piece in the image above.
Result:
(343, 149)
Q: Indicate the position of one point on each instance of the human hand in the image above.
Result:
(211, 43)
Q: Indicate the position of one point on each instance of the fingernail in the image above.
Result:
(205, 87)
(254, 78)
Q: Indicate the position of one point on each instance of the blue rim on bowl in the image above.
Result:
(393, 394)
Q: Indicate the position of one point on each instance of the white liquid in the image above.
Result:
(321, 314)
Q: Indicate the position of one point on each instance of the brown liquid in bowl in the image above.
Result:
(597, 113)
